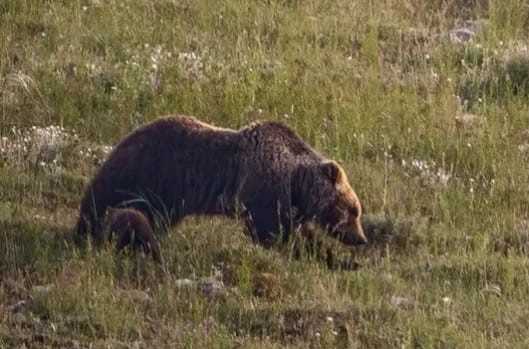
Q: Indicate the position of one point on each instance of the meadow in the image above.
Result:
(424, 103)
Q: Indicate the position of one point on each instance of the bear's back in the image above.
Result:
(171, 129)
(276, 137)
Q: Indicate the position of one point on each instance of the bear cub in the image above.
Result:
(133, 230)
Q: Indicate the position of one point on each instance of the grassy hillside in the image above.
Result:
(425, 103)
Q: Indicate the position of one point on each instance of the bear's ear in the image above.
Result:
(331, 170)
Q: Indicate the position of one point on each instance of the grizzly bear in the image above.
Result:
(132, 229)
(264, 173)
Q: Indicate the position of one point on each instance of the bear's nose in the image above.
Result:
(362, 240)
(360, 236)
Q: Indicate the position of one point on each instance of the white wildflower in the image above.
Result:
(192, 65)
(427, 171)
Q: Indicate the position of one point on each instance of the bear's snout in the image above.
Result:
(361, 240)
(355, 239)
(352, 235)
(361, 237)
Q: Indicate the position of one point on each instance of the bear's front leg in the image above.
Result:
(265, 226)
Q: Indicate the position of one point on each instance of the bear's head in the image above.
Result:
(339, 209)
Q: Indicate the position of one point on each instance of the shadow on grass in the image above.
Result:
(386, 234)
(27, 247)
(400, 235)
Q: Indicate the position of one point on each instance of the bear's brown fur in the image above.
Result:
(178, 166)
(132, 229)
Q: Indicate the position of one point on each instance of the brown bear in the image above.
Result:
(132, 229)
(178, 166)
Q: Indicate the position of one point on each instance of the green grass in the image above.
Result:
(376, 85)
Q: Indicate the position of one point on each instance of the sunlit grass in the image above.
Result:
(426, 111)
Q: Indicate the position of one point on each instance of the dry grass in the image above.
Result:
(425, 104)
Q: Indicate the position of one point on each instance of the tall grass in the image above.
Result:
(433, 134)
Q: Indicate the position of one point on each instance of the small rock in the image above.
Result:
(41, 290)
(139, 296)
(184, 283)
(403, 302)
(18, 306)
(461, 35)
(211, 287)
(467, 32)
(468, 120)
(76, 320)
(523, 148)
(493, 289)
(387, 277)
